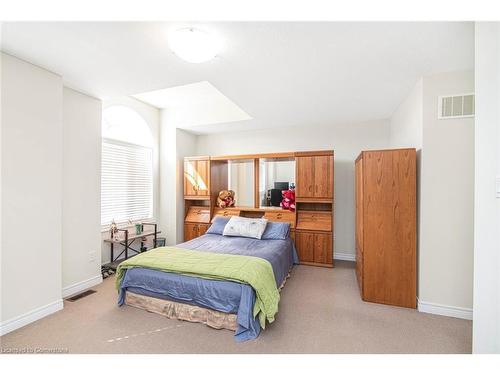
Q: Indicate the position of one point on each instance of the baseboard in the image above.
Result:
(81, 286)
(344, 256)
(29, 317)
(452, 311)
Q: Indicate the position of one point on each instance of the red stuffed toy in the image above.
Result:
(288, 201)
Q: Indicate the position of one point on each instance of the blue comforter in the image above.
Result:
(225, 296)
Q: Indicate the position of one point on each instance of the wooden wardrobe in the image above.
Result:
(386, 226)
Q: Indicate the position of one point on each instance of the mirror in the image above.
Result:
(241, 181)
(275, 175)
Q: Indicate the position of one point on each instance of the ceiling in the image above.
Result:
(279, 73)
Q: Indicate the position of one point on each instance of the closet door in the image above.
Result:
(323, 170)
(304, 243)
(305, 176)
(323, 248)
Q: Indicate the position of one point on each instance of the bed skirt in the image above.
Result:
(182, 311)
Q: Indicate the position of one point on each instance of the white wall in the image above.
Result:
(347, 140)
(445, 170)
(31, 192)
(185, 146)
(175, 144)
(447, 198)
(152, 117)
(406, 122)
(81, 209)
(486, 328)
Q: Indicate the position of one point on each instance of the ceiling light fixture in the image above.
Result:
(194, 45)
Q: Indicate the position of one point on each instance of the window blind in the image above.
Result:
(126, 182)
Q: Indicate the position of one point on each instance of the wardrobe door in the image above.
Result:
(305, 176)
(323, 248)
(323, 170)
(304, 242)
(203, 172)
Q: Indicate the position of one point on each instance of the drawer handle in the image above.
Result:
(279, 216)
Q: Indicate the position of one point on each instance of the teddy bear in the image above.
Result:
(288, 201)
(225, 199)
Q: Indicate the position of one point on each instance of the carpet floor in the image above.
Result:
(320, 312)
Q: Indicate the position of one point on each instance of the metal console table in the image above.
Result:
(128, 239)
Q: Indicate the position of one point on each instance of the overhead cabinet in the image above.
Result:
(314, 176)
(197, 177)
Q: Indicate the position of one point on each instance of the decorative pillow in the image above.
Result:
(276, 231)
(245, 227)
(218, 225)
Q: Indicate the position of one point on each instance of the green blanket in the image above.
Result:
(256, 272)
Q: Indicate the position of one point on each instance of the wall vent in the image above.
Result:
(456, 106)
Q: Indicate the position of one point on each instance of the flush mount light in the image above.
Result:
(194, 45)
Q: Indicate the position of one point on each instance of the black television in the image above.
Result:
(282, 185)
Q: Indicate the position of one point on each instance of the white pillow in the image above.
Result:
(245, 227)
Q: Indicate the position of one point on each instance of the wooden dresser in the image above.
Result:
(386, 226)
(312, 222)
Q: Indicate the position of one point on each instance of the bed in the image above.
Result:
(217, 301)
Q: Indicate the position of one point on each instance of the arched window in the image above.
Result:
(126, 166)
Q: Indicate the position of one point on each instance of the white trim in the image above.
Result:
(344, 256)
(437, 309)
(30, 317)
(81, 286)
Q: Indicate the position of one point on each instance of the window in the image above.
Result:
(126, 167)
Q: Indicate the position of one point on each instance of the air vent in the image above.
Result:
(456, 106)
(81, 295)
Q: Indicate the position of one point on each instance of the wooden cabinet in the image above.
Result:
(386, 226)
(303, 243)
(311, 224)
(192, 230)
(314, 248)
(314, 176)
(197, 177)
(305, 176)
(314, 196)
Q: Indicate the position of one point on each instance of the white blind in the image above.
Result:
(126, 182)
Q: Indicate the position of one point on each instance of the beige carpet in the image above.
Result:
(320, 312)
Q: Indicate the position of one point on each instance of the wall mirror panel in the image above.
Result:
(241, 179)
(275, 175)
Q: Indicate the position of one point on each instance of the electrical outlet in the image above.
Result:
(92, 256)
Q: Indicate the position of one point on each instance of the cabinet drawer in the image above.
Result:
(314, 220)
(198, 214)
(285, 216)
(226, 212)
